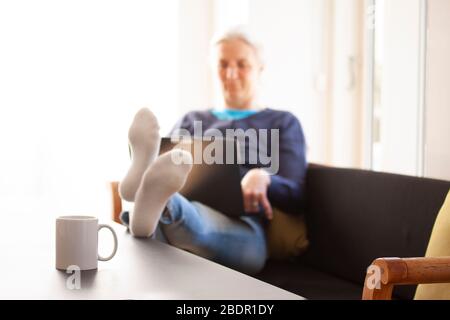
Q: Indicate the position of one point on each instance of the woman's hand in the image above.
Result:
(254, 189)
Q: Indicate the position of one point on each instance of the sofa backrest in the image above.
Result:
(355, 216)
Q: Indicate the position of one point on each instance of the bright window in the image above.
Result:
(72, 75)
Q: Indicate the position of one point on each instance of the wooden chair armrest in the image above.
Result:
(384, 273)
(116, 201)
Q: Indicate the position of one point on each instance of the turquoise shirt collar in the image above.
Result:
(232, 114)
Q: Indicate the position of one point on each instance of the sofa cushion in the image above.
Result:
(286, 235)
(355, 216)
(308, 282)
(439, 246)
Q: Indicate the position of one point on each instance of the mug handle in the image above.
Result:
(101, 226)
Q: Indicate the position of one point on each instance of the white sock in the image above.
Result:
(160, 181)
(144, 140)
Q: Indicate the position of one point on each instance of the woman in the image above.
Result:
(153, 182)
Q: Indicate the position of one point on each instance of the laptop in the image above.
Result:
(215, 179)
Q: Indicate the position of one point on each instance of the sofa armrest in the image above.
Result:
(384, 273)
(116, 201)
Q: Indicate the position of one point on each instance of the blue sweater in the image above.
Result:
(286, 188)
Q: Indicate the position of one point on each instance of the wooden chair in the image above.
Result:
(116, 201)
(384, 273)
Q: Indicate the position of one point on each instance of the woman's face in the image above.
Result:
(239, 70)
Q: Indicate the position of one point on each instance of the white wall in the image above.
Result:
(437, 127)
(196, 22)
(322, 33)
(229, 13)
(346, 105)
(285, 28)
(400, 87)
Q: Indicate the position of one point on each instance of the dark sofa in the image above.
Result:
(353, 217)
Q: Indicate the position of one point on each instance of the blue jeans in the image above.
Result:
(238, 243)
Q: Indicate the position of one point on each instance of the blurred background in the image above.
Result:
(368, 80)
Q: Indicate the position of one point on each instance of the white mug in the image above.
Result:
(77, 242)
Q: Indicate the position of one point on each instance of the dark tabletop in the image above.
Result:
(141, 269)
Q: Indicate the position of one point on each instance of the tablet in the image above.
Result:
(215, 178)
